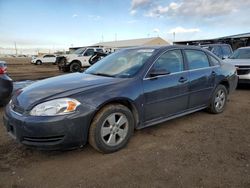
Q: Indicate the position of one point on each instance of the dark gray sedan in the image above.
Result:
(130, 89)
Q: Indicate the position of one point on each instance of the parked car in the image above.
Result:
(241, 60)
(77, 60)
(130, 89)
(223, 51)
(48, 58)
(6, 85)
(97, 56)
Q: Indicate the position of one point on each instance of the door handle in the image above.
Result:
(182, 79)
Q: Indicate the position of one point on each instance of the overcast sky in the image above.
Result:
(65, 23)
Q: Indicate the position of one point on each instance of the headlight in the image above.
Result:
(55, 107)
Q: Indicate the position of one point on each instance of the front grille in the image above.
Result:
(242, 71)
(43, 139)
(243, 66)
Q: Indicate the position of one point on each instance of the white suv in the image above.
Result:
(48, 58)
(77, 60)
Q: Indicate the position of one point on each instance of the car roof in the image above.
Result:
(167, 47)
(214, 45)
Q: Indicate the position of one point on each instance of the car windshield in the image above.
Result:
(122, 64)
(79, 51)
(241, 54)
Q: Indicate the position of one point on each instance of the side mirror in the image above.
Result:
(158, 72)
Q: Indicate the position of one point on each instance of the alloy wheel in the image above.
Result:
(114, 129)
(220, 99)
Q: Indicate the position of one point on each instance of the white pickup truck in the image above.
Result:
(77, 60)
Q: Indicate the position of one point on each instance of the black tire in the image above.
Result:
(217, 104)
(75, 67)
(100, 122)
(38, 62)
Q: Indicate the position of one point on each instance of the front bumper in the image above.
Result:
(48, 133)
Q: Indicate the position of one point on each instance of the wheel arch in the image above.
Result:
(123, 101)
(225, 83)
(75, 61)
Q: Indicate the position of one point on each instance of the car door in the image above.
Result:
(45, 59)
(87, 54)
(166, 94)
(201, 78)
(51, 59)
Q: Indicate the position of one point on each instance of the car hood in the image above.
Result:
(70, 55)
(58, 87)
(238, 61)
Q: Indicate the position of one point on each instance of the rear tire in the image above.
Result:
(111, 128)
(218, 100)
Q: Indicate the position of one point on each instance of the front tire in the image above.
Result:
(75, 67)
(218, 100)
(38, 62)
(111, 128)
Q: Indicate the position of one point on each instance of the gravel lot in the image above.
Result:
(20, 69)
(198, 150)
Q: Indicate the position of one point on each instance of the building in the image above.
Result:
(128, 43)
(236, 41)
(133, 42)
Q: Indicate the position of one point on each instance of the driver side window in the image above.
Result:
(89, 52)
(171, 62)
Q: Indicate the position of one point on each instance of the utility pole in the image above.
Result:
(102, 38)
(115, 36)
(174, 36)
(15, 48)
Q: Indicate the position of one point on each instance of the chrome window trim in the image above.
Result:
(149, 78)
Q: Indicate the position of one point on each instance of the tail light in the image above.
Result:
(3, 70)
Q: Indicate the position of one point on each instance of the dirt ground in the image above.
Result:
(198, 150)
(20, 69)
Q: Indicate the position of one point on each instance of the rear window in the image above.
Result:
(99, 50)
(226, 50)
(217, 51)
(196, 59)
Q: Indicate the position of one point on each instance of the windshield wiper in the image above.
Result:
(102, 74)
